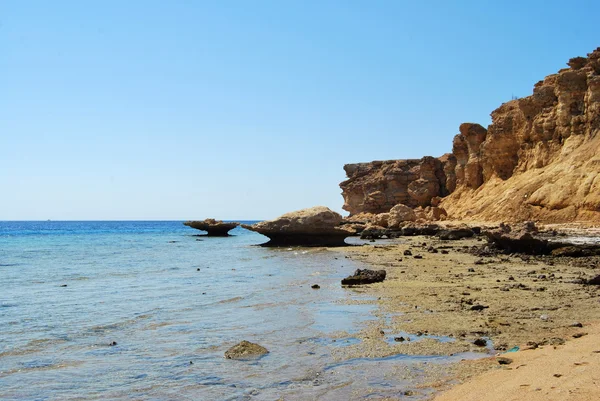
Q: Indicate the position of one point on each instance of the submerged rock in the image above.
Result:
(245, 350)
(365, 276)
(214, 228)
(316, 226)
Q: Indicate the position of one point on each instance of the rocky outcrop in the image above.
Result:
(538, 160)
(316, 226)
(378, 186)
(214, 228)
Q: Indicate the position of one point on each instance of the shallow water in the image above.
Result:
(173, 302)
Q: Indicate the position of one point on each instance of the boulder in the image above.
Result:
(381, 219)
(399, 214)
(316, 226)
(245, 350)
(365, 276)
(214, 228)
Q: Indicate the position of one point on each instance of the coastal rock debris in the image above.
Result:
(365, 276)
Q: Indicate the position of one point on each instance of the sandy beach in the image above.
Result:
(461, 296)
(566, 372)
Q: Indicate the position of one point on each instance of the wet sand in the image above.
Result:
(442, 296)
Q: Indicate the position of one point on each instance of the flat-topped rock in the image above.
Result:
(214, 228)
(316, 226)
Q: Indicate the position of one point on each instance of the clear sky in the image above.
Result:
(249, 109)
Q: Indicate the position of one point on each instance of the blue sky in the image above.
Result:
(249, 109)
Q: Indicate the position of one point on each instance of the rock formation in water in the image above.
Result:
(538, 160)
(316, 226)
(214, 228)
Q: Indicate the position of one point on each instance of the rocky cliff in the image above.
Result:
(538, 160)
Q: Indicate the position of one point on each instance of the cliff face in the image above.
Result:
(377, 186)
(539, 159)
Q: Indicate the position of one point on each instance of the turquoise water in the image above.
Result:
(71, 289)
(146, 310)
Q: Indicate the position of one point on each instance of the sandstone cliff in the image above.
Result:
(538, 160)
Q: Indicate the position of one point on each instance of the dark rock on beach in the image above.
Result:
(214, 228)
(455, 233)
(365, 276)
(525, 238)
(518, 239)
(245, 350)
(593, 281)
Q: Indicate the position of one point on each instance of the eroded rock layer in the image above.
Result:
(538, 160)
(378, 186)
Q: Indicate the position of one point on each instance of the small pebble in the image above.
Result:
(480, 342)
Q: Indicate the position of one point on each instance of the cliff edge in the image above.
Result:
(538, 160)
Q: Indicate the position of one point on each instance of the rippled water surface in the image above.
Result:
(145, 310)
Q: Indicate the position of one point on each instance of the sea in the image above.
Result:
(144, 310)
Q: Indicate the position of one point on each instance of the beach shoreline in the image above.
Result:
(451, 297)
